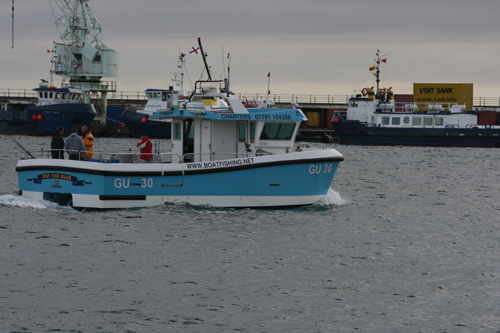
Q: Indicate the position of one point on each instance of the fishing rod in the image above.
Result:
(20, 146)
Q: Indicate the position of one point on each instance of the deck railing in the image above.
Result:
(278, 98)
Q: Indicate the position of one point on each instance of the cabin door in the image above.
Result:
(242, 139)
(174, 177)
(188, 141)
(206, 140)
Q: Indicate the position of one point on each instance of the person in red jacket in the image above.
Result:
(146, 148)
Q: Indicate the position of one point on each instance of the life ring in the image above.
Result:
(364, 91)
(381, 91)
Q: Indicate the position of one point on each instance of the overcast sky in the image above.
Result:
(310, 46)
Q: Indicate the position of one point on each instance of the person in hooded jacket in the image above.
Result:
(57, 144)
(74, 145)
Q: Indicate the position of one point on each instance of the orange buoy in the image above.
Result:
(34, 117)
(39, 117)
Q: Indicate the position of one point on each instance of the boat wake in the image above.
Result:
(331, 198)
(17, 201)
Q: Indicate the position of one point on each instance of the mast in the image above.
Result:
(12, 23)
(180, 82)
(377, 67)
(204, 59)
(377, 70)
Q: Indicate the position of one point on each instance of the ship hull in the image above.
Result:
(51, 116)
(356, 133)
(268, 182)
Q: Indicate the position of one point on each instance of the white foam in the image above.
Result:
(17, 201)
(331, 198)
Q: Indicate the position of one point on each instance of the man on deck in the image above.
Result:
(146, 148)
(88, 140)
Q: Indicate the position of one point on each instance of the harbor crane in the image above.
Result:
(83, 57)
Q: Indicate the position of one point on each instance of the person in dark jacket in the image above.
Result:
(57, 144)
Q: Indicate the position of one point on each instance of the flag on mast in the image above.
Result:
(372, 68)
(195, 50)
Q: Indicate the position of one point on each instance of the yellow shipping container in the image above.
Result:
(443, 93)
(313, 119)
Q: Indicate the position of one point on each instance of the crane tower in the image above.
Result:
(83, 56)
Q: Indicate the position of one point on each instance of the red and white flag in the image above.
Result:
(194, 50)
(384, 60)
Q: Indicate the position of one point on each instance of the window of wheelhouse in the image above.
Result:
(177, 131)
(439, 121)
(242, 132)
(277, 131)
(252, 131)
(40, 94)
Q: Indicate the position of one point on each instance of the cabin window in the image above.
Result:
(164, 96)
(406, 120)
(354, 104)
(439, 122)
(427, 121)
(40, 94)
(417, 121)
(64, 95)
(148, 95)
(242, 132)
(277, 131)
(385, 120)
(252, 131)
(46, 95)
(51, 95)
(177, 131)
(58, 95)
(395, 121)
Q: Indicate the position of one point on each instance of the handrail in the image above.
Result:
(278, 98)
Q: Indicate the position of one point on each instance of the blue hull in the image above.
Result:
(66, 115)
(356, 133)
(153, 128)
(272, 184)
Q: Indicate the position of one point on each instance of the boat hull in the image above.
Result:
(299, 179)
(155, 129)
(52, 116)
(356, 133)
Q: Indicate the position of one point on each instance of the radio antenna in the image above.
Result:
(12, 23)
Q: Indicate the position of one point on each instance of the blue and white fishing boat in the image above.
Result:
(223, 154)
(55, 107)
